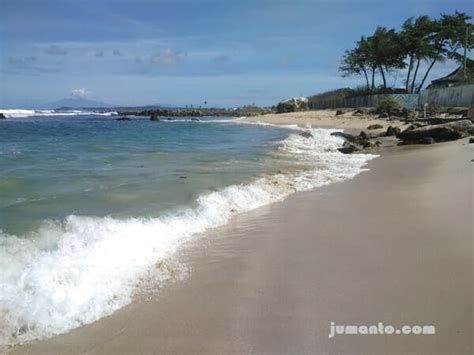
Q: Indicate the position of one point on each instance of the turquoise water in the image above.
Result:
(51, 167)
(92, 209)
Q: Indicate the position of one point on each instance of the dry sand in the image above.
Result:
(323, 119)
(393, 245)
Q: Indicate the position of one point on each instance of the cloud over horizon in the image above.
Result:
(178, 52)
(81, 93)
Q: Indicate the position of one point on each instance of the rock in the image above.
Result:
(348, 148)
(347, 136)
(368, 145)
(375, 126)
(440, 132)
(383, 115)
(125, 118)
(392, 131)
(2, 116)
(471, 140)
(195, 119)
(416, 125)
(306, 134)
(292, 105)
(339, 112)
(361, 111)
(358, 140)
(154, 117)
(427, 140)
(458, 111)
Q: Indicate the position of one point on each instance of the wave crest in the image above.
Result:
(70, 273)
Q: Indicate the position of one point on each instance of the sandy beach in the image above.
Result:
(393, 245)
(323, 119)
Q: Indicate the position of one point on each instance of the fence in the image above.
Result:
(453, 96)
(462, 96)
(405, 100)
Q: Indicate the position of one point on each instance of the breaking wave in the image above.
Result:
(72, 272)
(22, 113)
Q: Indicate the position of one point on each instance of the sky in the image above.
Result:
(185, 52)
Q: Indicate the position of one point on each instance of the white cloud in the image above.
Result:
(80, 93)
(168, 57)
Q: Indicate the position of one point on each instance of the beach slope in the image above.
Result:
(393, 245)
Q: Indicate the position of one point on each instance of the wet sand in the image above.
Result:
(393, 245)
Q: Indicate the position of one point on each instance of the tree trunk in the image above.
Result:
(414, 75)
(383, 77)
(373, 79)
(366, 79)
(407, 84)
(426, 75)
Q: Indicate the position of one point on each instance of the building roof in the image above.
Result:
(457, 75)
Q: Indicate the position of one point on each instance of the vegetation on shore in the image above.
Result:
(419, 40)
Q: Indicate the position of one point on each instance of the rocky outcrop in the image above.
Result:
(392, 131)
(125, 118)
(348, 148)
(2, 116)
(355, 143)
(375, 126)
(292, 105)
(439, 133)
(154, 117)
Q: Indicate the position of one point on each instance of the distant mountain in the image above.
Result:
(75, 103)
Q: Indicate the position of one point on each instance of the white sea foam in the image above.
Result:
(74, 272)
(22, 113)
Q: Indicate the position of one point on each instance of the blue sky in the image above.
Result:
(181, 52)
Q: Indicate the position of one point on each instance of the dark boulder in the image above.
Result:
(2, 116)
(125, 118)
(351, 138)
(383, 115)
(361, 112)
(363, 136)
(348, 148)
(154, 117)
(375, 126)
(471, 140)
(339, 112)
(306, 134)
(392, 131)
(347, 136)
(440, 132)
(458, 111)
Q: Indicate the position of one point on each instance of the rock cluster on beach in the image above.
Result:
(407, 127)
(437, 133)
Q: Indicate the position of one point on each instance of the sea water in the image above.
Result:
(90, 205)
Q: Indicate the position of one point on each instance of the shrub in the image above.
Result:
(388, 105)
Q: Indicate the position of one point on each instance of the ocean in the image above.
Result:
(90, 205)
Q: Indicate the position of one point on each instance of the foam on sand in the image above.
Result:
(72, 272)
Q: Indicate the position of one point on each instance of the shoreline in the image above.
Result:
(249, 277)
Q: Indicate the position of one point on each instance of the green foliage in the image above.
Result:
(420, 39)
(388, 105)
